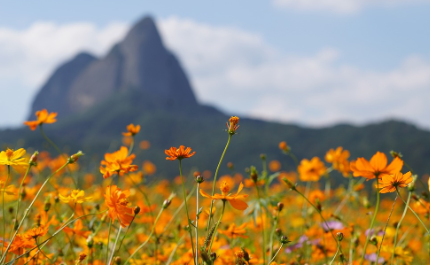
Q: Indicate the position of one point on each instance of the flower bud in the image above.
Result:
(166, 203)
(56, 199)
(117, 260)
(339, 236)
(90, 242)
(278, 231)
(230, 165)
(47, 206)
(280, 206)
(254, 174)
(213, 256)
(199, 179)
(232, 125)
(33, 159)
(263, 156)
(136, 210)
(374, 240)
(284, 147)
(395, 154)
(289, 184)
(284, 240)
(75, 157)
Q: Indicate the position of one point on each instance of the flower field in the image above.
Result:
(55, 213)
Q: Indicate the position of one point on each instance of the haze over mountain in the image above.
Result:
(139, 81)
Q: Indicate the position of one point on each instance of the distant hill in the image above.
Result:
(139, 81)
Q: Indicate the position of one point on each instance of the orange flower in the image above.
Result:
(234, 199)
(116, 201)
(117, 162)
(42, 117)
(311, 170)
(316, 195)
(77, 229)
(179, 154)
(13, 158)
(283, 146)
(274, 165)
(132, 130)
(233, 231)
(19, 244)
(377, 167)
(389, 183)
(232, 124)
(339, 159)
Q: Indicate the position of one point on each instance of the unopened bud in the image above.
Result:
(75, 157)
(254, 174)
(47, 206)
(166, 203)
(213, 256)
(263, 156)
(339, 236)
(205, 257)
(280, 206)
(278, 231)
(56, 199)
(199, 179)
(230, 165)
(33, 159)
(117, 260)
(395, 154)
(90, 242)
(374, 240)
(136, 210)
(289, 184)
(284, 240)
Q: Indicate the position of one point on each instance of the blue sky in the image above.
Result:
(316, 62)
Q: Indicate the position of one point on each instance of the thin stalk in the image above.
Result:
(19, 195)
(186, 210)
(4, 211)
(398, 226)
(42, 244)
(372, 222)
(56, 148)
(197, 224)
(114, 245)
(275, 224)
(345, 199)
(385, 228)
(108, 239)
(131, 146)
(262, 225)
(416, 215)
(126, 231)
(214, 182)
(216, 227)
(149, 237)
(276, 254)
(335, 255)
(322, 217)
(174, 250)
(177, 212)
(29, 207)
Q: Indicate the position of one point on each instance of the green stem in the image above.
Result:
(322, 217)
(146, 241)
(19, 196)
(385, 228)
(398, 226)
(42, 244)
(275, 224)
(262, 225)
(416, 215)
(214, 182)
(108, 239)
(131, 147)
(186, 210)
(28, 209)
(276, 254)
(197, 225)
(372, 222)
(216, 227)
(126, 231)
(114, 245)
(4, 211)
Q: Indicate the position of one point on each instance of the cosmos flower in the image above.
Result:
(76, 196)
(311, 170)
(389, 183)
(178, 153)
(117, 202)
(42, 117)
(132, 130)
(234, 199)
(376, 167)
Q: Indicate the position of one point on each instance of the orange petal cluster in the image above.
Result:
(42, 117)
(132, 130)
(236, 200)
(178, 153)
(389, 183)
(376, 167)
(311, 170)
(118, 162)
(117, 202)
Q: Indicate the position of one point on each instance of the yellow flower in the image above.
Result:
(76, 196)
(13, 158)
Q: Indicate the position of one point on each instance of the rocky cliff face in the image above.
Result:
(138, 63)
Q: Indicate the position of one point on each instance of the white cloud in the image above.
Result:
(243, 74)
(340, 6)
(28, 56)
(231, 68)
